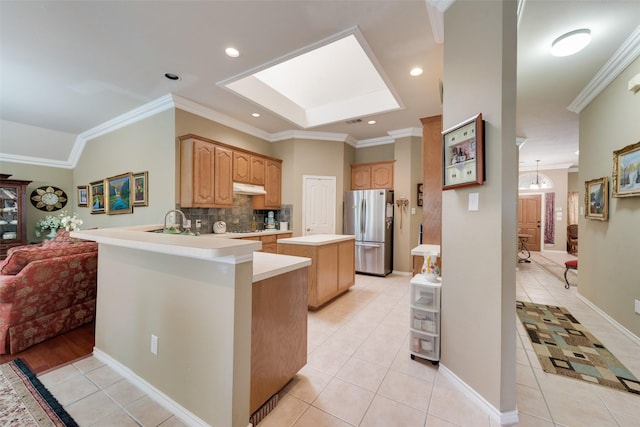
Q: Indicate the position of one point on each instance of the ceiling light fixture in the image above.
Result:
(255, 114)
(371, 122)
(536, 185)
(232, 52)
(571, 42)
(416, 71)
(172, 76)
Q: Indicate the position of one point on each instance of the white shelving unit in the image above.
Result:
(424, 340)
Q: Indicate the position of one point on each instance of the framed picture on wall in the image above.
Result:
(420, 197)
(141, 189)
(596, 199)
(83, 197)
(96, 194)
(118, 194)
(626, 171)
(463, 154)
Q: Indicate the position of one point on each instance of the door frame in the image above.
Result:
(304, 200)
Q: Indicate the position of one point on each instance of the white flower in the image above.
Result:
(62, 220)
(70, 223)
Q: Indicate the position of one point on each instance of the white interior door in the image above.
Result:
(318, 205)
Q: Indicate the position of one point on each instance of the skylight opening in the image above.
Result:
(331, 81)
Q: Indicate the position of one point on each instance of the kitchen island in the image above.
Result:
(175, 316)
(332, 270)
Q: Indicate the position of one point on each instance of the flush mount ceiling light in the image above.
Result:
(330, 81)
(571, 42)
(371, 122)
(232, 52)
(416, 71)
(255, 114)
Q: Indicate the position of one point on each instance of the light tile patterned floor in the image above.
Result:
(359, 372)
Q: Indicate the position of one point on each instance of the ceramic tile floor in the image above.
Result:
(359, 372)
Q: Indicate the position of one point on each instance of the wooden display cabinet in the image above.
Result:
(376, 175)
(13, 213)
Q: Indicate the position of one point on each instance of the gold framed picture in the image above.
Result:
(96, 194)
(83, 196)
(141, 189)
(118, 197)
(596, 199)
(626, 171)
(463, 154)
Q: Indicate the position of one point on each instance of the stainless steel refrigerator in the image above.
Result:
(368, 215)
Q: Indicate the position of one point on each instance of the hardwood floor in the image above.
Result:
(57, 351)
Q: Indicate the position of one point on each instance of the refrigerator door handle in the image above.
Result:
(363, 215)
(369, 245)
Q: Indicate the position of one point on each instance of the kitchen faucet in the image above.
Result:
(184, 218)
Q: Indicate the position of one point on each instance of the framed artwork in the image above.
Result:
(463, 154)
(96, 192)
(626, 171)
(118, 198)
(596, 199)
(83, 197)
(420, 197)
(141, 189)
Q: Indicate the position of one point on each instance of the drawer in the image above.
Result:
(269, 248)
(425, 321)
(425, 297)
(269, 239)
(422, 345)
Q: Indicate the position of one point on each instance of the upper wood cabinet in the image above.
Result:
(248, 168)
(272, 185)
(205, 174)
(376, 175)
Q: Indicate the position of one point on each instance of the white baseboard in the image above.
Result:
(162, 399)
(503, 418)
(608, 318)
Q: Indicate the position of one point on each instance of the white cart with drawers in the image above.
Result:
(424, 340)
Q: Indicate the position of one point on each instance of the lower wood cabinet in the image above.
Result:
(278, 333)
(269, 243)
(332, 270)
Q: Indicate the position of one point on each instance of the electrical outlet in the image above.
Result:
(154, 344)
(638, 306)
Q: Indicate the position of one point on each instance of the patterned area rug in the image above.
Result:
(24, 401)
(565, 347)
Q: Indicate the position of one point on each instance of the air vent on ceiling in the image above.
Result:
(350, 122)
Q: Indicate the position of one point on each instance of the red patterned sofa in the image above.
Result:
(46, 290)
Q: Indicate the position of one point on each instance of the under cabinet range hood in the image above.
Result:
(240, 188)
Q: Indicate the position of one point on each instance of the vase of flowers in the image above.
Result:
(50, 224)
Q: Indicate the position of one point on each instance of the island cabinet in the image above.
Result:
(278, 333)
(205, 174)
(332, 270)
(272, 185)
(269, 242)
(376, 175)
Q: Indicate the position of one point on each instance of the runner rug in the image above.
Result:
(24, 401)
(565, 347)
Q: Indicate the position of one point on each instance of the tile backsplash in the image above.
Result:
(238, 217)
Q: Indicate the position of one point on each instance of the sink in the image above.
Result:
(172, 230)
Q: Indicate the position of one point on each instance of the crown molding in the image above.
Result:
(375, 141)
(406, 132)
(37, 161)
(625, 55)
(554, 166)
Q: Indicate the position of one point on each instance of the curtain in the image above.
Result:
(572, 207)
(549, 220)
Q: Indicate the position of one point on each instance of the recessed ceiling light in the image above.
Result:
(371, 122)
(570, 43)
(172, 76)
(232, 52)
(416, 71)
(255, 114)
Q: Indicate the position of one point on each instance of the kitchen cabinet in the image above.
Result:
(205, 174)
(248, 168)
(332, 270)
(376, 175)
(272, 185)
(269, 242)
(13, 213)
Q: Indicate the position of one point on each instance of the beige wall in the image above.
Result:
(609, 249)
(573, 182)
(198, 310)
(560, 189)
(407, 174)
(40, 176)
(147, 145)
(478, 247)
(376, 153)
(310, 157)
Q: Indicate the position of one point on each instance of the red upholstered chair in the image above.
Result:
(570, 265)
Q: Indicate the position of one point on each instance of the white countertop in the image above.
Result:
(266, 265)
(205, 246)
(316, 239)
(423, 250)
